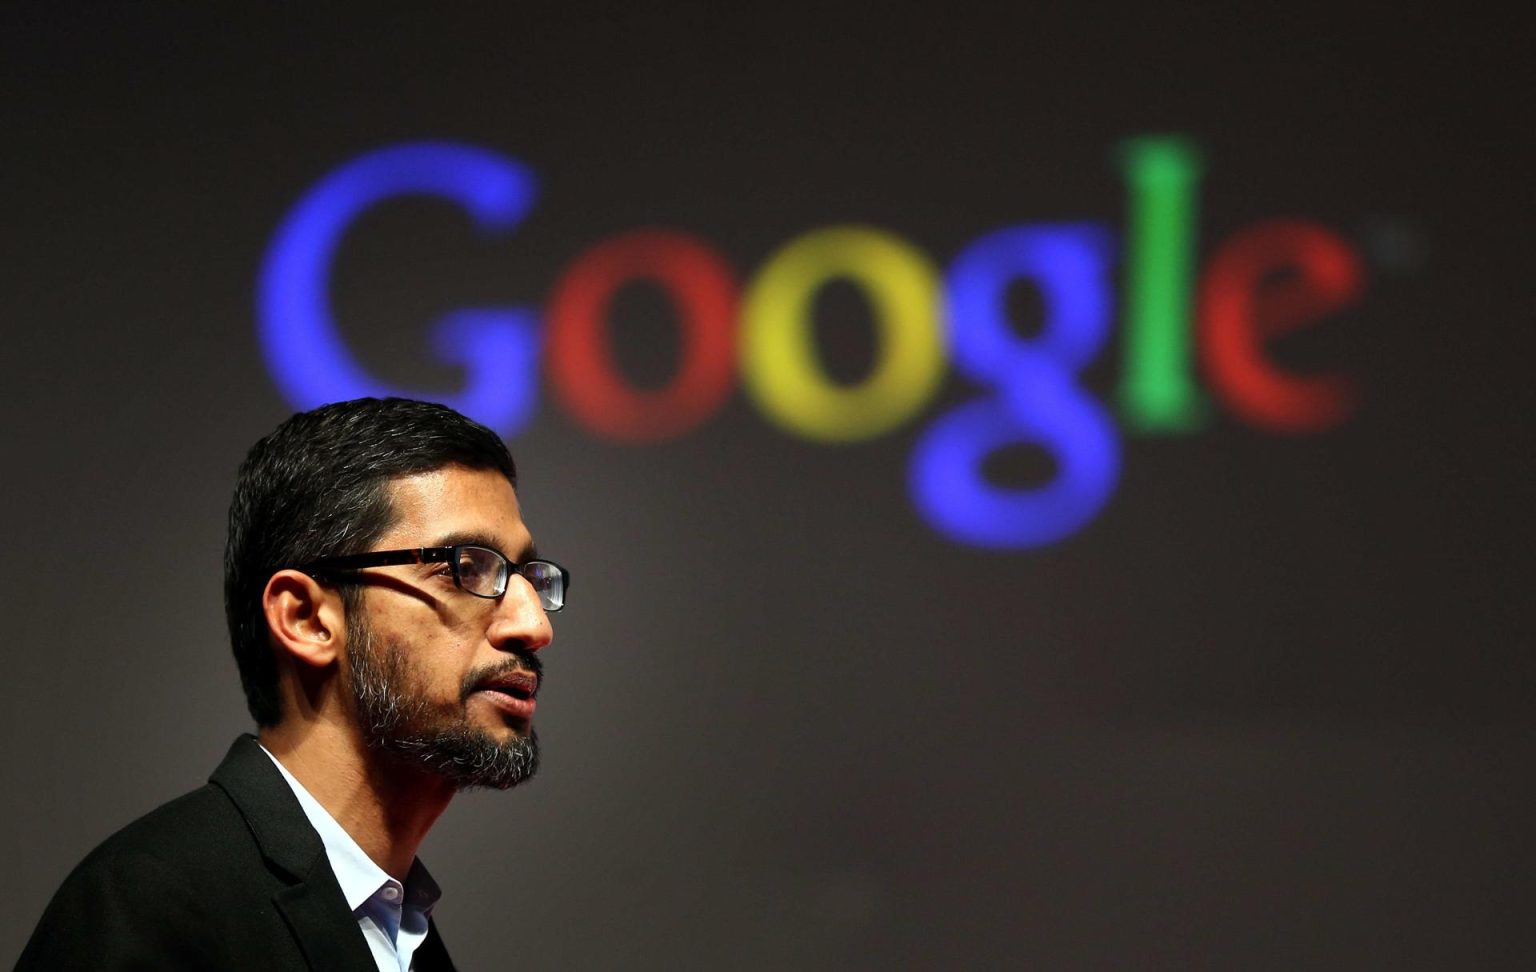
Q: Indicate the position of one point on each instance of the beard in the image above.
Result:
(396, 717)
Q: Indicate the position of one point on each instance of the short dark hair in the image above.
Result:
(317, 486)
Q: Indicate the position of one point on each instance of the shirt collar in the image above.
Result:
(360, 878)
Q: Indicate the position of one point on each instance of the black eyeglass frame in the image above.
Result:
(440, 555)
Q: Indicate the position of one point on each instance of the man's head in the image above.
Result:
(431, 672)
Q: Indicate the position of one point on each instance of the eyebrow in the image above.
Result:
(469, 538)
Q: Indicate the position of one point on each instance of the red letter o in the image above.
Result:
(581, 367)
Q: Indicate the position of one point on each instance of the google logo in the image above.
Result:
(1264, 280)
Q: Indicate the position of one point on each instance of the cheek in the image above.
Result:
(443, 652)
(438, 648)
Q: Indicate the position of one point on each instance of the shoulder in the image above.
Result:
(182, 832)
(208, 830)
(161, 887)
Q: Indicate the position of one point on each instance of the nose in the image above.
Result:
(520, 621)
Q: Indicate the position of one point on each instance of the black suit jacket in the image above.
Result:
(230, 876)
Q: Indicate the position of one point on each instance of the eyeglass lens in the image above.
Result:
(547, 581)
(485, 572)
(481, 571)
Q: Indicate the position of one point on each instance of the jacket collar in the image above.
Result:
(270, 809)
(311, 902)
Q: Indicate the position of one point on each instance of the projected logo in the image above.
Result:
(1267, 279)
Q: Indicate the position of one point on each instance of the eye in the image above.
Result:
(470, 569)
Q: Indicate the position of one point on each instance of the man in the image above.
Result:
(385, 606)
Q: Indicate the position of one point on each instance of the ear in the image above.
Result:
(306, 618)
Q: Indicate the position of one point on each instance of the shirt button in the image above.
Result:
(391, 893)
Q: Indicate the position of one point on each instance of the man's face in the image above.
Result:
(440, 677)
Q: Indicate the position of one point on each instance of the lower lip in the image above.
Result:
(513, 707)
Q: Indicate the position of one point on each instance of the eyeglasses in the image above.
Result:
(481, 571)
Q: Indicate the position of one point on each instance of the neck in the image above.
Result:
(383, 803)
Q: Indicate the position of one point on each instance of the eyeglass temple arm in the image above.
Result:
(386, 558)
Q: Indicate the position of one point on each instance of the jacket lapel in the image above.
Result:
(329, 940)
(311, 902)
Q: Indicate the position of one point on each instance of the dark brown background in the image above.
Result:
(1270, 710)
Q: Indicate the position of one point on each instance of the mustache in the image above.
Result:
(519, 659)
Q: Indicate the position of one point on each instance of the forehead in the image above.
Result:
(453, 504)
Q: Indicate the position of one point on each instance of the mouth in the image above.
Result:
(512, 693)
